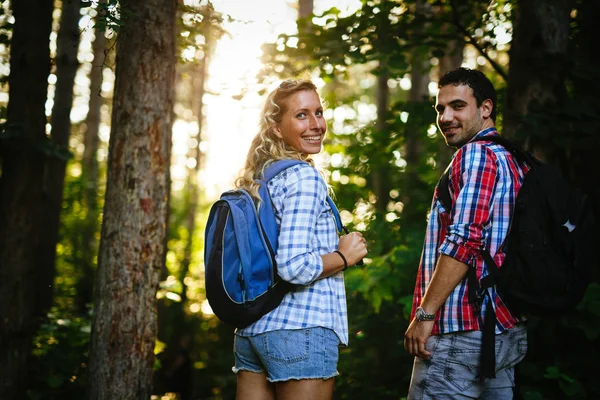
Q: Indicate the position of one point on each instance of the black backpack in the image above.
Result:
(549, 248)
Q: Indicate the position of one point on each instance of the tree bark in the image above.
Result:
(91, 140)
(381, 186)
(419, 93)
(304, 23)
(54, 173)
(538, 62)
(132, 246)
(305, 8)
(305, 28)
(583, 163)
(193, 173)
(21, 188)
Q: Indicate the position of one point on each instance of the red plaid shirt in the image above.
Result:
(484, 181)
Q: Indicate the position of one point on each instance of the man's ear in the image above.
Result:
(486, 108)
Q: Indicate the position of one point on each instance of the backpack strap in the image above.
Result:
(268, 218)
(444, 191)
(336, 215)
(517, 151)
(521, 155)
(266, 215)
(278, 166)
(275, 168)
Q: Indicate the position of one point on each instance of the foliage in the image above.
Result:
(5, 34)
(112, 14)
(383, 35)
(211, 341)
(60, 353)
(349, 53)
(200, 27)
(6, 26)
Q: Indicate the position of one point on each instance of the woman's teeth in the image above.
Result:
(312, 138)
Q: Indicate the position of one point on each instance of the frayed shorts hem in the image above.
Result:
(299, 378)
(293, 378)
(257, 371)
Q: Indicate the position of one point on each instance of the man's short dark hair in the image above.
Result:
(482, 88)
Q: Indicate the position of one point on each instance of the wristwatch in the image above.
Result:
(421, 315)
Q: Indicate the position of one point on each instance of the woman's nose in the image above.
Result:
(315, 123)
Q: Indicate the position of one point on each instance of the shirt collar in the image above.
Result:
(485, 132)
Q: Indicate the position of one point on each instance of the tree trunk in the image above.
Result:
(90, 175)
(583, 162)
(132, 246)
(305, 28)
(21, 189)
(381, 186)
(419, 93)
(305, 8)
(538, 62)
(193, 173)
(304, 23)
(54, 172)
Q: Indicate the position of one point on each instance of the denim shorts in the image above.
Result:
(284, 355)
(452, 371)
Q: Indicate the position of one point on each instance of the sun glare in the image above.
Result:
(232, 103)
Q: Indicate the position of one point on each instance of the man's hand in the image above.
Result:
(448, 273)
(416, 336)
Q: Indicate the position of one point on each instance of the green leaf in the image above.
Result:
(54, 381)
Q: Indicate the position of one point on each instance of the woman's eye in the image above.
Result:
(301, 115)
(319, 113)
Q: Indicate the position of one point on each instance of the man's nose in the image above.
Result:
(445, 115)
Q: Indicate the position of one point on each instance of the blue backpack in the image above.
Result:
(240, 244)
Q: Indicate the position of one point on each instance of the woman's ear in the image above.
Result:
(277, 131)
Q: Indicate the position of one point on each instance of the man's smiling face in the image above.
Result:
(459, 118)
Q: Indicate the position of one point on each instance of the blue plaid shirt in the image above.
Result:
(307, 230)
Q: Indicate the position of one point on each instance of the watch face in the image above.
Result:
(421, 315)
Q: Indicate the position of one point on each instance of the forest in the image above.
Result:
(103, 206)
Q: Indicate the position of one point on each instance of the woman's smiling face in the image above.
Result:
(302, 125)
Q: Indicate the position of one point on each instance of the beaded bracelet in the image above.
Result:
(343, 258)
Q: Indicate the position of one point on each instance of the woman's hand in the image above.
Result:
(353, 246)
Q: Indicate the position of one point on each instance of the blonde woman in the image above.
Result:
(292, 352)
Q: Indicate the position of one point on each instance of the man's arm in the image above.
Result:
(474, 173)
(447, 275)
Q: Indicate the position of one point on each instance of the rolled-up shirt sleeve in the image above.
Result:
(298, 260)
(471, 185)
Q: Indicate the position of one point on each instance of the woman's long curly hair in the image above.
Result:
(266, 146)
